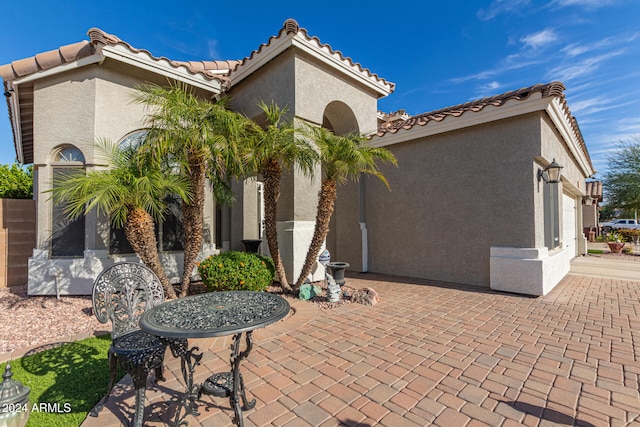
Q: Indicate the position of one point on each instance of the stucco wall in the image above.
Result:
(78, 108)
(274, 83)
(311, 91)
(452, 197)
(317, 86)
(573, 177)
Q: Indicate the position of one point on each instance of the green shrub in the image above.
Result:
(231, 271)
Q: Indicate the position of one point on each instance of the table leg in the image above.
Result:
(230, 384)
(238, 390)
(189, 359)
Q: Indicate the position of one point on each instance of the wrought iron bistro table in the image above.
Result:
(214, 314)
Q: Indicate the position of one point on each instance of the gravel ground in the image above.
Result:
(28, 321)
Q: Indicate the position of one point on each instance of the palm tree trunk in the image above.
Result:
(326, 204)
(193, 220)
(272, 175)
(140, 232)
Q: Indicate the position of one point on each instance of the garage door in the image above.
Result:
(569, 224)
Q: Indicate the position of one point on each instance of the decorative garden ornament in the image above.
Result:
(333, 289)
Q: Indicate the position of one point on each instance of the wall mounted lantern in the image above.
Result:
(552, 173)
(14, 399)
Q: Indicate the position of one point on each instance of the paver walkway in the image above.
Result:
(432, 354)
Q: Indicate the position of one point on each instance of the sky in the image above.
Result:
(438, 53)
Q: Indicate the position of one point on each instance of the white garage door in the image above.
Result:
(569, 224)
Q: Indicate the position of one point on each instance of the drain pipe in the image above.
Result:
(365, 247)
(363, 226)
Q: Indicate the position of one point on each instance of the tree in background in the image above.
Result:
(16, 182)
(132, 192)
(622, 179)
(342, 158)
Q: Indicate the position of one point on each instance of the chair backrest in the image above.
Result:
(122, 292)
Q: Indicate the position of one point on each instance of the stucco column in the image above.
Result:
(296, 220)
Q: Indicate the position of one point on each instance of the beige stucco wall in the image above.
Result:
(317, 86)
(573, 178)
(453, 197)
(311, 90)
(77, 108)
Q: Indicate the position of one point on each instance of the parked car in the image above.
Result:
(618, 224)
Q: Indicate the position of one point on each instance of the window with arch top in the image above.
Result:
(169, 232)
(67, 236)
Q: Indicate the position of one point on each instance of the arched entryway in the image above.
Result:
(340, 119)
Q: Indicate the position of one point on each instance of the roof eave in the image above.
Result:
(88, 60)
(488, 114)
(553, 106)
(281, 43)
(13, 108)
(160, 66)
(557, 112)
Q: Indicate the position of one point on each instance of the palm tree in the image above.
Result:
(132, 193)
(197, 137)
(342, 158)
(272, 150)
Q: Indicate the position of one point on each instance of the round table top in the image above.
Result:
(214, 314)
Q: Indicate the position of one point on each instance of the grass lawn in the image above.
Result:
(66, 381)
(595, 251)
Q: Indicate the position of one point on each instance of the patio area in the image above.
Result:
(429, 354)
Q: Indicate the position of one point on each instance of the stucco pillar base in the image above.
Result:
(531, 271)
(75, 276)
(294, 238)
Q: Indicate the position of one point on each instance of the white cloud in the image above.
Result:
(498, 7)
(213, 49)
(577, 49)
(586, 106)
(488, 89)
(630, 125)
(539, 39)
(586, 67)
(589, 4)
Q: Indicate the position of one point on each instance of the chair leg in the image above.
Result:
(113, 366)
(160, 374)
(139, 376)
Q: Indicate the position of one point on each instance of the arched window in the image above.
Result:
(134, 139)
(67, 236)
(169, 232)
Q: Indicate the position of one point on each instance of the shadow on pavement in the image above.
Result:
(547, 414)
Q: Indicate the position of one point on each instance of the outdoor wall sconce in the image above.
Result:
(552, 173)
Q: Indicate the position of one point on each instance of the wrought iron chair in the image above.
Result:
(121, 293)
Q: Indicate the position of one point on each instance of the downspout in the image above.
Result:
(363, 226)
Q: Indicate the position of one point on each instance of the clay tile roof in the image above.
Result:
(209, 69)
(594, 189)
(290, 26)
(211, 66)
(72, 52)
(46, 60)
(553, 89)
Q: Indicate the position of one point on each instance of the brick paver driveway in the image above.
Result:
(431, 354)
